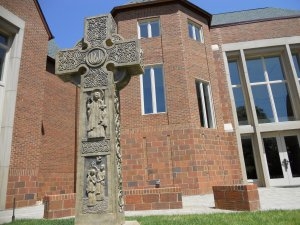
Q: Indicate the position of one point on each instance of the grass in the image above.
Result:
(278, 217)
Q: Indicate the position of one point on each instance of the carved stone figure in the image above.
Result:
(97, 115)
(100, 183)
(91, 187)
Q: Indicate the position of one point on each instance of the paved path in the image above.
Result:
(270, 198)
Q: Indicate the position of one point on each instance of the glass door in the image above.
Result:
(282, 154)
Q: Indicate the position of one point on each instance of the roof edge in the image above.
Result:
(37, 4)
(185, 3)
(253, 21)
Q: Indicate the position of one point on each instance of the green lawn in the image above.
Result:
(279, 217)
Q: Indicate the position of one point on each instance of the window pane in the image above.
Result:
(197, 32)
(240, 106)
(282, 102)
(2, 57)
(200, 106)
(160, 91)
(148, 107)
(293, 150)
(273, 160)
(262, 104)
(274, 68)
(208, 105)
(249, 158)
(234, 73)
(297, 64)
(204, 104)
(3, 39)
(255, 70)
(155, 28)
(191, 31)
(143, 30)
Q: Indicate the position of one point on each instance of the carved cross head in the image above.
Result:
(101, 53)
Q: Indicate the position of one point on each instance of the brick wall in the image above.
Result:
(43, 133)
(172, 147)
(153, 199)
(58, 206)
(238, 197)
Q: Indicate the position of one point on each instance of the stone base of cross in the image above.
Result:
(101, 64)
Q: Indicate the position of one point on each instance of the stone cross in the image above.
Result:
(101, 64)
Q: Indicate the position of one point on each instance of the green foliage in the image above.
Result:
(278, 217)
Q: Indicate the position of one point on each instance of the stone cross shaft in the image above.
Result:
(101, 64)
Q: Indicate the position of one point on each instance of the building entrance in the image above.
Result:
(282, 155)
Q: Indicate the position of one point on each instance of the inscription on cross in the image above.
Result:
(104, 63)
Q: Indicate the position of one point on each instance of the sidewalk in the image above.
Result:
(270, 198)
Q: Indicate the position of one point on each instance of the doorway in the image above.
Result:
(282, 156)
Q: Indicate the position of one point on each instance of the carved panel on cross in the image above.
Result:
(96, 77)
(96, 115)
(95, 147)
(95, 189)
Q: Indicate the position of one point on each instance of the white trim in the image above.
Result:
(138, 30)
(142, 93)
(199, 27)
(149, 30)
(209, 119)
(203, 105)
(14, 26)
(153, 90)
(261, 43)
(149, 27)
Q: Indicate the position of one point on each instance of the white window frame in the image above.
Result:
(149, 28)
(298, 59)
(268, 84)
(153, 90)
(14, 27)
(2, 72)
(199, 27)
(209, 119)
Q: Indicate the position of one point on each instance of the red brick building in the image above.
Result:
(219, 100)
(37, 110)
(218, 103)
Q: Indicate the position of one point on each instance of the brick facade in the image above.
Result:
(43, 146)
(172, 147)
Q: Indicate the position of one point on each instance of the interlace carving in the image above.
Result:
(123, 52)
(92, 147)
(96, 30)
(70, 60)
(94, 78)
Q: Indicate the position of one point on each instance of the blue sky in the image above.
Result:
(65, 17)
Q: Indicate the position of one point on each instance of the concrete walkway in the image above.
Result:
(270, 198)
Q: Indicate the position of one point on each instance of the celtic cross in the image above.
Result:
(101, 64)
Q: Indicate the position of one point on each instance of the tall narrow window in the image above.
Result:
(3, 49)
(249, 158)
(195, 32)
(270, 90)
(153, 90)
(205, 104)
(296, 61)
(238, 93)
(148, 28)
